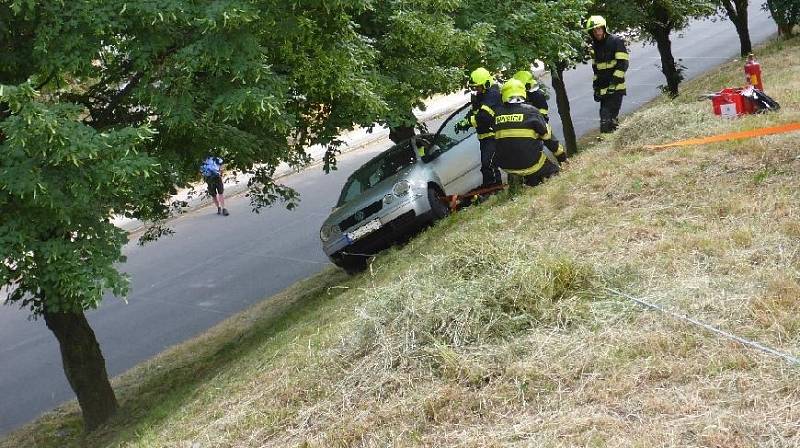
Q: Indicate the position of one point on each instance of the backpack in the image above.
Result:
(211, 167)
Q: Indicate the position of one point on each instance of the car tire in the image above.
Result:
(439, 208)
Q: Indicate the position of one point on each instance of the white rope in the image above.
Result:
(752, 344)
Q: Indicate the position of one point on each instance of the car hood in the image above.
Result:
(369, 198)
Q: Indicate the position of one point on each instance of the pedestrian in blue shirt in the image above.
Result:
(211, 169)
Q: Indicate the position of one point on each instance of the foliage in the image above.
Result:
(420, 52)
(642, 17)
(785, 12)
(131, 96)
(524, 31)
(59, 179)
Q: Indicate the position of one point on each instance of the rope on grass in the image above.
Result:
(752, 344)
(731, 136)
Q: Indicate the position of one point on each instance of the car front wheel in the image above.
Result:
(352, 264)
(438, 203)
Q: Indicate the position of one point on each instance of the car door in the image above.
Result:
(456, 156)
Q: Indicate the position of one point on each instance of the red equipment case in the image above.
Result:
(731, 103)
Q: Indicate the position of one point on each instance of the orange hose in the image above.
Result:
(731, 136)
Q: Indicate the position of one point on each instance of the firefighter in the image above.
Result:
(609, 63)
(519, 129)
(485, 98)
(536, 97)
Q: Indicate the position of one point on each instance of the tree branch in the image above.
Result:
(100, 117)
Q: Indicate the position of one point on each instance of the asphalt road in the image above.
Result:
(214, 267)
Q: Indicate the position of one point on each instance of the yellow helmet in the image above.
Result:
(526, 78)
(511, 88)
(480, 77)
(595, 22)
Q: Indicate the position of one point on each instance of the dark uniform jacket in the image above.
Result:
(518, 130)
(538, 99)
(609, 63)
(483, 110)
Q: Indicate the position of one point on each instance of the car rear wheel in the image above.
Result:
(438, 203)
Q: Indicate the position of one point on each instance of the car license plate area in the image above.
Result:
(364, 230)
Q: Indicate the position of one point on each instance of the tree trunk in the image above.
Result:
(746, 47)
(562, 101)
(84, 366)
(737, 12)
(668, 68)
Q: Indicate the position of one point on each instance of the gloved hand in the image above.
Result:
(462, 125)
(596, 96)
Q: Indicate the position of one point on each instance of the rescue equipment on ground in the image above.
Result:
(729, 102)
(732, 102)
(751, 99)
(752, 70)
(456, 201)
(782, 129)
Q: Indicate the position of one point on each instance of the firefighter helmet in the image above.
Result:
(480, 77)
(526, 77)
(511, 88)
(595, 22)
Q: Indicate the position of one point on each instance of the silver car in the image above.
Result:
(399, 191)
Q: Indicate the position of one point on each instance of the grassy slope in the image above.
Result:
(496, 327)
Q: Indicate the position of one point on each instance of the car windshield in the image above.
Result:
(373, 172)
(448, 136)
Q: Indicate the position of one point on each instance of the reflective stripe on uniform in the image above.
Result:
(621, 55)
(516, 133)
(531, 170)
(612, 88)
(488, 109)
(472, 121)
(544, 112)
(486, 135)
(619, 74)
(560, 150)
(605, 65)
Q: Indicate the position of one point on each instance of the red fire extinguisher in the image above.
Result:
(752, 70)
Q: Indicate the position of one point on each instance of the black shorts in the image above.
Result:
(215, 185)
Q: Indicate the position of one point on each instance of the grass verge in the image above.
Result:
(496, 327)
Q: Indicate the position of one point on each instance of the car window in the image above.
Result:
(385, 165)
(447, 137)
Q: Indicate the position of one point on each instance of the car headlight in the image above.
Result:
(388, 199)
(325, 233)
(401, 188)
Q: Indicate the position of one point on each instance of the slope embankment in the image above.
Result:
(500, 325)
